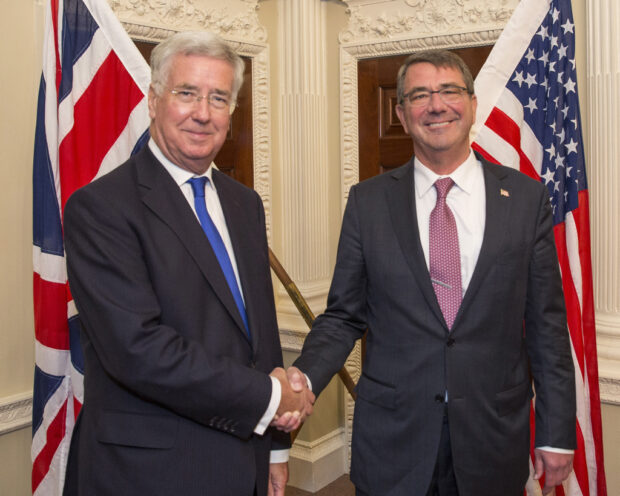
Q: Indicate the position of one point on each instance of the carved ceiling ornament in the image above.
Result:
(236, 18)
(403, 18)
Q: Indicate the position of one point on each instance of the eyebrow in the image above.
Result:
(441, 86)
(187, 86)
(220, 92)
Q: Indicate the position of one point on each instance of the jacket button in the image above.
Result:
(252, 364)
(450, 342)
(439, 398)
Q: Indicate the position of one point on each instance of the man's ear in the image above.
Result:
(152, 100)
(400, 112)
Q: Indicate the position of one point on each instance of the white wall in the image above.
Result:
(21, 25)
(21, 28)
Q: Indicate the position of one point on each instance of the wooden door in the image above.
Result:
(236, 158)
(383, 144)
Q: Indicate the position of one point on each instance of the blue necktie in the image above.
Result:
(198, 187)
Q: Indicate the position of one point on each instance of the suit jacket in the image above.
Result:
(381, 281)
(173, 387)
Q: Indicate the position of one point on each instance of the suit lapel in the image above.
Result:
(162, 195)
(498, 206)
(404, 219)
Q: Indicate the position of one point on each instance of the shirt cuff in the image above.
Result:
(308, 381)
(272, 408)
(556, 450)
(278, 456)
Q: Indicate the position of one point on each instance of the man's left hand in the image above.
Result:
(555, 466)
(278, 477)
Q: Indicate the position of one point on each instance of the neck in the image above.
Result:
(442, 163)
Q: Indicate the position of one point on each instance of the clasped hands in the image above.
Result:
(296, 401)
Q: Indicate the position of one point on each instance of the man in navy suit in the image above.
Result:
(450, 263)
(168, 265)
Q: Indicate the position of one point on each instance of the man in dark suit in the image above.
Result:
(174, 293)
(450, 262)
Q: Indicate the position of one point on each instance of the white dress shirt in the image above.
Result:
(214, 208)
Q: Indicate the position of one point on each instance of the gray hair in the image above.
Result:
(193, 43)
(437, 58)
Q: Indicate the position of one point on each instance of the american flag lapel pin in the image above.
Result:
(503, 192)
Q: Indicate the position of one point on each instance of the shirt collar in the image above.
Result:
(463, 176)
(179, 175)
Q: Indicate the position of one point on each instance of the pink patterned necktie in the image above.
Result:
(445, 258)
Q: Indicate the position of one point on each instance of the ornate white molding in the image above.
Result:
(378, 20)
(15, 412)
(234, 19)
(237, 22)
(315, 464)
(314, 294)
(610, 390)
(608, 347)
(354, 367)
(291, 339)
(311, 451)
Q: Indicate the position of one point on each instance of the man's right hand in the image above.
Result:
(296, 401)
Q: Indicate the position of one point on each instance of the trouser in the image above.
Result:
(443, 482)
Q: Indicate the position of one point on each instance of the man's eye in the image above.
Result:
(219, 99)
(186, 93)
(450, 91)
(418, 96)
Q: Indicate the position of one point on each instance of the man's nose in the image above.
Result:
(436, 103)
(202, 110)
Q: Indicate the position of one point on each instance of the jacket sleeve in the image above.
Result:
(548, 339)
(334, 333)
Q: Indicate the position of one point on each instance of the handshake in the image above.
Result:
(296, 401)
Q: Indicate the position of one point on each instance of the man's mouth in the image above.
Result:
(435, 125)
(198, 134)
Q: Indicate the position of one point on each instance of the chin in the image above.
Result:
(441, 146)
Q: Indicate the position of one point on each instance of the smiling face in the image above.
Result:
(440, 132)
(191, 135)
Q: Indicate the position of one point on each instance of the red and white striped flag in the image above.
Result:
(92, 113)
(528, 118)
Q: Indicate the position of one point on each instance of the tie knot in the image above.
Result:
(198, 186)
(443, 186)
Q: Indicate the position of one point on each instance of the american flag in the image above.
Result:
(528, 118)
(92, 113)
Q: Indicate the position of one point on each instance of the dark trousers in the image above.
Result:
(443, 482)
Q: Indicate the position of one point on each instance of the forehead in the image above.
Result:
(200, 71)
(426, 75)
